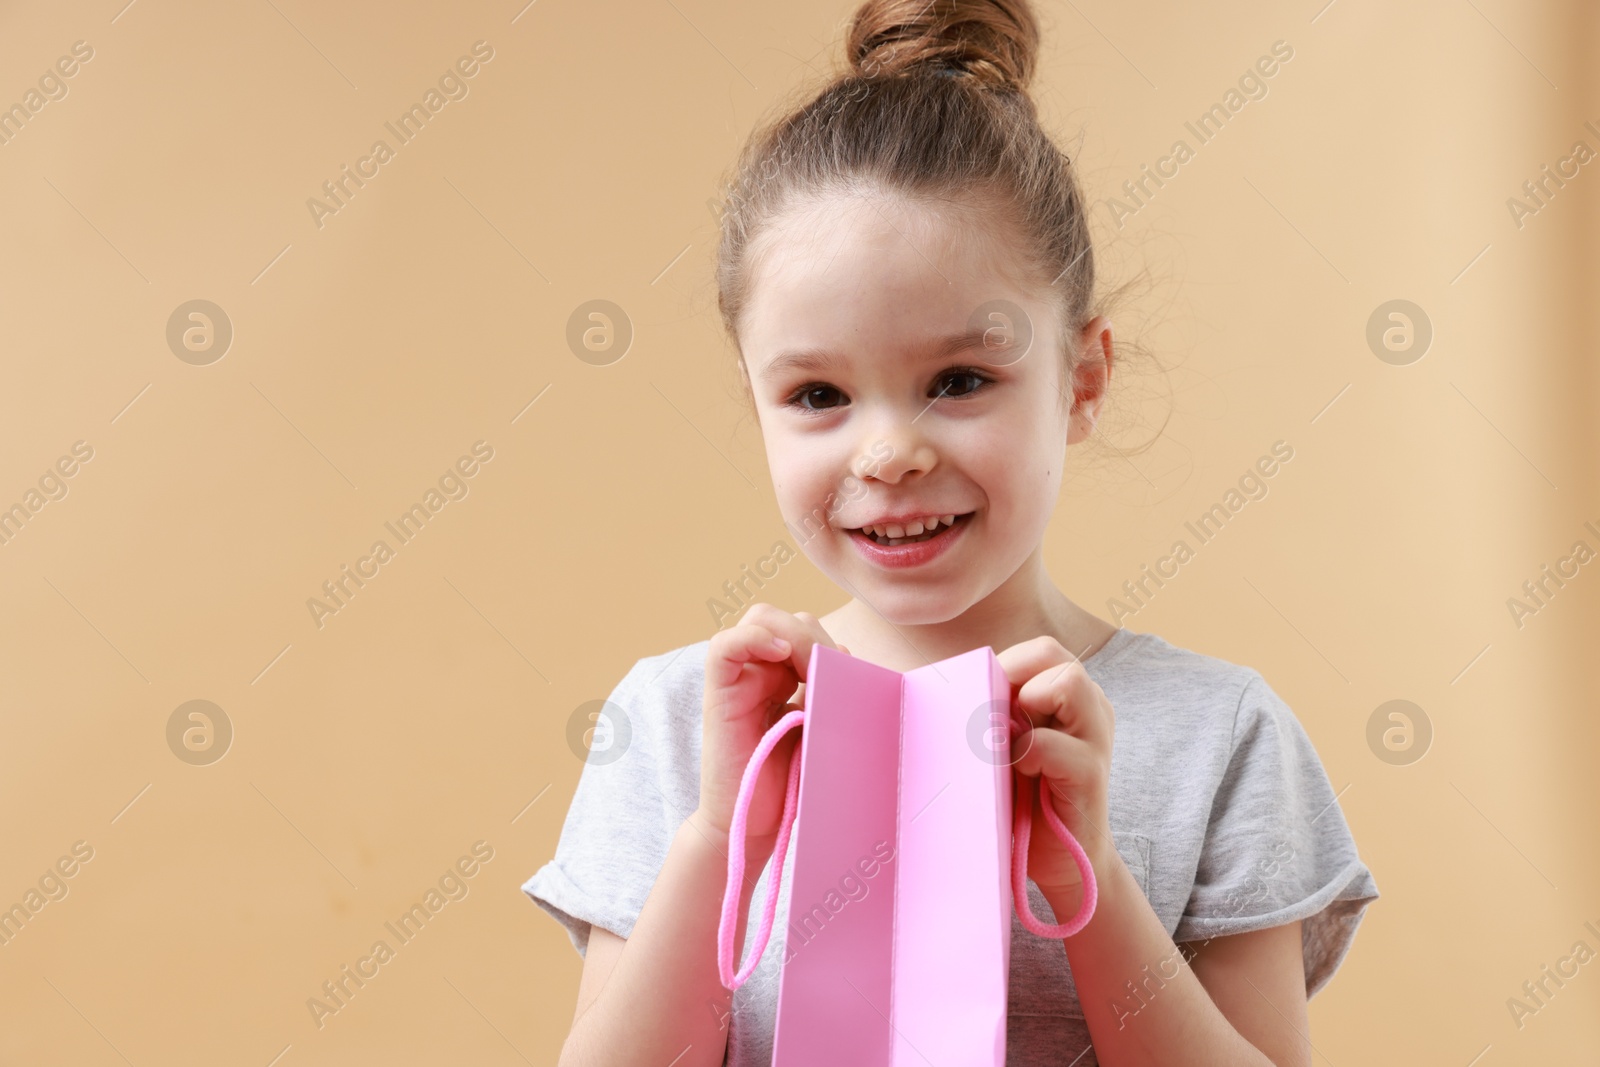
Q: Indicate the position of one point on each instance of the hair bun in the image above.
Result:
(993, 41)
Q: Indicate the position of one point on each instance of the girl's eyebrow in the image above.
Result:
(821, 359)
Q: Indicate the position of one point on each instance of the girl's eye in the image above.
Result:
(959, 382)
(975, 380)
(814, 397)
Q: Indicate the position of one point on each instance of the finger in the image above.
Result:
(1024, 662)
(1052, 687)
(1066, 697)
(729, 650)
(1057, 756)
(1027, 658)
(1073, 817)
(777, 709)
(801, 630)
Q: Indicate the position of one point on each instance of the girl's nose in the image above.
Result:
(896, 451)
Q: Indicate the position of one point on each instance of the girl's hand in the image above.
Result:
(755, 674)
(1062, 730)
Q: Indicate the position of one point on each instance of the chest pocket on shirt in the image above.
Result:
(1135, 851)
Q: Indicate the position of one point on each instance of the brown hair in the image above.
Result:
(935, 108)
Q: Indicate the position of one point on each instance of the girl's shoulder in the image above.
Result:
(684, 666)
(1219, 714)
(1224, 804)
(1148, 651)
(658, 699)
(673, 677)
(1146, 669)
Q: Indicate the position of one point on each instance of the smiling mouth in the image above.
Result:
(877, 533)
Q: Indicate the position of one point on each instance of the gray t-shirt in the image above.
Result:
(1218, 804)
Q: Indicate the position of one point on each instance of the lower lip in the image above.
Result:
(912, 554)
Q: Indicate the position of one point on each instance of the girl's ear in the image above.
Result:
(1091, 376)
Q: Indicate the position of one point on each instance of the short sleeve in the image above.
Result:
(640, 780)
(1276, 845)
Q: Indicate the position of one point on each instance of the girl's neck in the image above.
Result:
(1025, 606)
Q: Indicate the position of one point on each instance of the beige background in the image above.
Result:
(430, 312)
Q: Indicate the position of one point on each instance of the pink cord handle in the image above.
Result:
(736, 862)
(1022, 827)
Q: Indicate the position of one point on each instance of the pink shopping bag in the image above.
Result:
(915, 766)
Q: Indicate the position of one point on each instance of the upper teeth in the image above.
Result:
(912, 529)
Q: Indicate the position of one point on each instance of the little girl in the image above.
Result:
(905, 271)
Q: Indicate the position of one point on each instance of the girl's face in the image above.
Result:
(889, 357)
